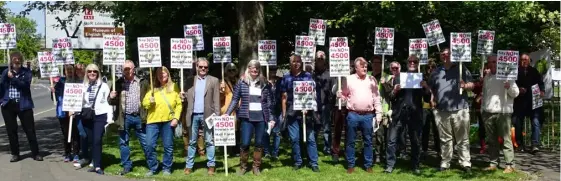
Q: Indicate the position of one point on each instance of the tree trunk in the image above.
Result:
(251, 29)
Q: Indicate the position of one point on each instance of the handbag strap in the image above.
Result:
(95, 98)
(166, 100)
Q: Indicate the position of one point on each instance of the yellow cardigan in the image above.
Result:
(159, 111)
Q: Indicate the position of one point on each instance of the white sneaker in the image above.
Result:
(91, 165)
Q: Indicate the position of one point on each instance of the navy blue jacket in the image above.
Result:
(22, 83)
(241, 91)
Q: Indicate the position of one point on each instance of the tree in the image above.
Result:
(251, 25)
(27, 39)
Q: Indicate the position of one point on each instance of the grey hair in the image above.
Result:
(201, 59)
(398, 65)
(247, 78)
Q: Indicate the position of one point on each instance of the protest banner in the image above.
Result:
(304, 99)
(267, 53)
(317, 30)
(222, 51)
(433, 33)
(114, 50)
(485, 41)
(537, 100)
(419, 47)
(460, 50)
(7, 36)
(72, 102)
(507, 64)
(339, 66)
(62, 51)
(48, 68)
(335, 42)
(195, 32)
(383, 44)
(181, 55)
(149, 54)
(224, 134)
(304, 47)
(410, 80)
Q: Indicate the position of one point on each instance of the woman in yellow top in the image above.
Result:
(163, 105)
(226, 89)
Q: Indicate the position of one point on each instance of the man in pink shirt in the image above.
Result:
(360, 91)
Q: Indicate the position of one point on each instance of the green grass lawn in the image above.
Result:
(282, 169)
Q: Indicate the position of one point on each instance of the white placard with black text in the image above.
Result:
(181, 53)
(149, 52)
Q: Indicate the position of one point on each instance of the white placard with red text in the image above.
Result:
(318, 28)
(62, 51)
(267, 52)
(73, 97)
(195, 32)
(339, 61)
(460, 47)
(507, 64)
(485, 42)
(149, 52)
(383, 44)
(114, 50)
(47, 66)
(305, 47)
(420, 48)
(221, 49)
(304, 95)
(433, 32)
(224, 130)
(537, 100)
(181, 56)
(338, 42)
(7, 36)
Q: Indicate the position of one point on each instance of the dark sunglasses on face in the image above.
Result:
(203, 67)
(92, 71)
(394, 68)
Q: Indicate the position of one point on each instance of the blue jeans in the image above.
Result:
(198, 121)
(276, 134)
(153, 130)
(294, 124)
(84, 141)
(518, 120)
(136, 123)
(326, 128)
(354, 123)
(247, 128)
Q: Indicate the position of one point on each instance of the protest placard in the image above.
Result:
(267, 52)
(485, 42)
(420, 48)
(383, 44)
(195, 32)
(507, 65)
(433, 32)
(556, 74)
(305, 47)
(73, 97)
(410, 80)
(221, 49)
(7, 36)
(149, 52)
(114, 50)
(537, 100)
(338, 42)
(318, 28)
(47, 66)
(181, 56)
(339, 59)
(304, 95)
(460, 47)
(224, 130)
(62, 51)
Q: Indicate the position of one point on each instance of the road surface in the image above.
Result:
(42, 99)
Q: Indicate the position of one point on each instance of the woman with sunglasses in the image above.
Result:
(96, 113)
(226, 89)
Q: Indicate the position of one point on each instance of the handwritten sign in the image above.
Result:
(338, 42)
(224, 130)
(47, 66)
(537, 100)
(7, 36)
(305, 46)
(507, 65)
(433, 32)
(410, 80)
(195, 32)
(420, 48)
(73, 97)
(460, 48)
(62, 51)
(181, 56)
(221, 49)
(114, 50)
(383, 44)
(149, 52)
(485, 42)
(267, 52)
(318, 28)
(339, 59)
(304, 95)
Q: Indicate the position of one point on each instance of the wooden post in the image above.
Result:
(151, 82)
(70, 129)
(226, 160)
(339, 89)
(304, 127)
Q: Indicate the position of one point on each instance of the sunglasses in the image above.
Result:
(92, 71)
(395, 68)
(203, 67)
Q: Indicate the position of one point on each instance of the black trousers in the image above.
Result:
(11, 112)
(74, 145)
(412, 120)
(428, 125)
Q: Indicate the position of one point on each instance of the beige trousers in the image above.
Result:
(453, 125)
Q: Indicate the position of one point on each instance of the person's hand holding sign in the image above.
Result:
(396, 88)
(113, 94)
(507, 85)
(522, 90)
(173, 123)
(424, 84)
(222, 87)
(182, 95)
(152, 100)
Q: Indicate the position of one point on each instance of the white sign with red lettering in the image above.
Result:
(73, 97)
(507, 64)
(318, 28)
(338, 42)
(149, 52)
(62, 51)
(537, 100)
(460, 47)
(224, 130)
(114, 50)
(305, 47)
(383, 44)
(267, 52)
(304, 95)
(7, 36)
(485, 42)
(47, 66)
(339, 61)
(420, 48)
(181, 56)
(195, 32)
(433, 32)
(221, 49)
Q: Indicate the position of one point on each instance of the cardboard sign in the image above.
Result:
(114, 50)
(338, 42)
(433, 32)
(339, 61)
(7, 36)
(410, 80)
(485, 41)
(267, 52)
(195, 32)
(556, 74)
(304, 95)
(537, 100)
(305, 47)
(221, 49)
(73, 97)
(224, 130)
(149, 53)
(47, 66)
(62, 51)
(118, 71)
(181, 56)
(507, 65)
(420, 48)
(383, 44)
(460, 47)
(318, 28)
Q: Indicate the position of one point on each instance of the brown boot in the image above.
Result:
(185, 145)
(244, 156)
(257, 160)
